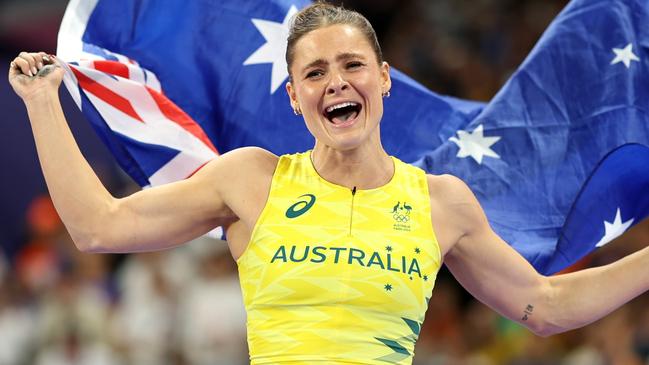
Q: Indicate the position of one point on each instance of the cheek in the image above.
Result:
(373, 94)
(370, 86)
(309, 97)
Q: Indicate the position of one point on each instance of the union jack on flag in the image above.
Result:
(558, 159)
(153, 139)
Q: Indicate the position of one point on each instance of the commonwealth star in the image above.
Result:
(274, 50)
(475, 144)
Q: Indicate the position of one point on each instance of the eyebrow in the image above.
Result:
(339, 58)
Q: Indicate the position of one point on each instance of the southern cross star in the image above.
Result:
(475, 144)
(614, 229)
(625, 55)
(273, 51)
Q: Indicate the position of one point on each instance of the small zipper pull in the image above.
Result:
(351, 211)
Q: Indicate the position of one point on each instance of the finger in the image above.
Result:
(23, 66)
(53, 60)
(29, 57)
(43, 59)
(13, 68)
(38, 58)
(47, 59)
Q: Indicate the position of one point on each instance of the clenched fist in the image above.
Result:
(31, 74)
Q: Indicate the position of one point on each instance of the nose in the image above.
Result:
(337, 84)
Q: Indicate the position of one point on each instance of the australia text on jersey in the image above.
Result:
(349, 256)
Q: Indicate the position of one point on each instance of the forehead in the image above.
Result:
(328, 42)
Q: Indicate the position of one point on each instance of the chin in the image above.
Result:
(348, 141)
(346, 138)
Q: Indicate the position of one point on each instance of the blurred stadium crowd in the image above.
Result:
(183, 306)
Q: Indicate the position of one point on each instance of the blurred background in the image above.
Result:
(183, 306)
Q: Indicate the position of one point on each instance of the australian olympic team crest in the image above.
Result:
(401, 215)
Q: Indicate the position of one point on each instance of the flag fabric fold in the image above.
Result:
(580, 95)
(170, 86)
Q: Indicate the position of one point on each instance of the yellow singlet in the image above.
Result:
(336, 276)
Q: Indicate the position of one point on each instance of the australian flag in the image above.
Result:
(559, 159)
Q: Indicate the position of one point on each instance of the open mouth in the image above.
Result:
(342, 112)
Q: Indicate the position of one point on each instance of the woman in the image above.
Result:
(338, 247)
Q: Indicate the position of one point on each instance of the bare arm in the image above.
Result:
(155, 218)
(499, 277)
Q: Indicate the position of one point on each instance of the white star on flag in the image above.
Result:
(614, 229)
(475, 144)
(274, 50)
(625, 55)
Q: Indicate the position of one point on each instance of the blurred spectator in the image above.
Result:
(143, 326)
(38, 260)
(72, 323)
(211, 315)
(17, 322)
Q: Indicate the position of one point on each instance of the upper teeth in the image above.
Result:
(341, 105)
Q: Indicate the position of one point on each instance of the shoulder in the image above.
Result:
(255, 156)
(448, 191)
(240, 171)
(455, 211)
(242, 179)
(243, 161)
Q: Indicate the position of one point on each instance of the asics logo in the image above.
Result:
(300, 207)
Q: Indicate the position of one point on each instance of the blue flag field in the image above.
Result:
(559, 158)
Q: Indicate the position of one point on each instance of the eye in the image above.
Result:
(314, 73)
(354, 64)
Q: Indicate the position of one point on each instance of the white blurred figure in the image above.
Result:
(144, 319)
(71, 352)
(584, 356)
(211, 317)
(17, 330)
(73, 321)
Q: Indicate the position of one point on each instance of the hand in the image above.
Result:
(30, 74)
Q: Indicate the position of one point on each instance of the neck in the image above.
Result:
(365, 167)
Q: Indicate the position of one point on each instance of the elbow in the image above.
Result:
(86, 245)
(96, 235)
(544, 329)
(545, 322)
(90, 243)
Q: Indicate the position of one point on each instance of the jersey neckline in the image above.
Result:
(395, 163)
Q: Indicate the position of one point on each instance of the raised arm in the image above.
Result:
(151, 219)
(498, 276)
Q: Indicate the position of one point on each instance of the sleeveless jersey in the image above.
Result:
(338, 276)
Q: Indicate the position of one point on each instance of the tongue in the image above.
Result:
(344, 117)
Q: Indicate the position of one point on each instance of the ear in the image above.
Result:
(291, 94)
(386, 81)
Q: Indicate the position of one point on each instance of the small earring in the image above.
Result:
(386, 94)
(296, 110)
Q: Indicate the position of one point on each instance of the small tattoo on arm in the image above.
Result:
(527, 312)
